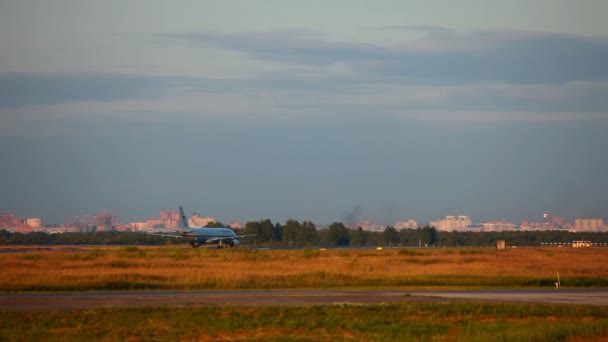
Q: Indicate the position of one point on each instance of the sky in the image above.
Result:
(312, 110)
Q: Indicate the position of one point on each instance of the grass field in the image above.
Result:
(417, 322)
(182, 268)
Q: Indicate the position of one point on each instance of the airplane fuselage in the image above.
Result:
(214, 236)
(206, 232)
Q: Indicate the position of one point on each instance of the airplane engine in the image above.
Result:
(233, 242)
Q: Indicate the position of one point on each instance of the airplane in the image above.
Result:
(197, 236)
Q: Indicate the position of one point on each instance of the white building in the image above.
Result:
(34, 222)
(451, 223)
(197, 220)
(409, 224)
(370, 226)
(497, 226)
(138, 226)
(582, 225)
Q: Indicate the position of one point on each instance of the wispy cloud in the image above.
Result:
(421, 28)
(308, 95)
(442, 74)
(23, 89)
(290, 46)
(441, 55)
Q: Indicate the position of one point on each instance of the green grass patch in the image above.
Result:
(95, 253)
(31, 257)
(309, 253)
(404, 322)
(475, 251)
(409, 252)
(132, 252)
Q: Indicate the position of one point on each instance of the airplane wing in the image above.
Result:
(216, 239)
(166, 235)
(242, 236)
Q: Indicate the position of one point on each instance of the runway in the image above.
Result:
(553, 296)
(89, 300)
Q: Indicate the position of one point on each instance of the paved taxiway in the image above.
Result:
(554, 296)
(88, 300)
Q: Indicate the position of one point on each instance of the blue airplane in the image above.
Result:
(204, 236)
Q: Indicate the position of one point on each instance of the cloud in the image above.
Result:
(439, 56)
(302, 94)
(421, 28)
(441, 74)
(290, 46)
(502, 56)
(19, 89)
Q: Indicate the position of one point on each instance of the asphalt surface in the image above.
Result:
(89, 300)
(553, 296)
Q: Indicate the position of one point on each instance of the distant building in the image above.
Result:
(451, 223)
(123, 228)
(236, 225)
(19, 224)
(106, 228)
(154, 223)
(7, 221)
(35, 223)
(559, 221)
(497, 226)
(585, 225)
(64, 228)
(197, 220)
(103, 220)
(170, 219)
(21, 228)
(546, 224)
(169, 215)
(135, 226)
(55, 230)
(369, 226)
(532, 226)
(409, 224)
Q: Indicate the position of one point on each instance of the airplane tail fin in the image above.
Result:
(183, 219)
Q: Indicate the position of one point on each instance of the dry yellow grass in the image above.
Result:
(123, 268)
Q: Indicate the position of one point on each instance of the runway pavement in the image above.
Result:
(88, 300)
(553, 296)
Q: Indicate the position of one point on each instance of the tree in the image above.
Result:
(391, 236)
(359, 237)
(338, 234)
(215, 224)
(254, 227)
(265, 231)
(290, 231)
(428, 235)
(277, 232)
(409, 237)
(307, 235)
(373, 238)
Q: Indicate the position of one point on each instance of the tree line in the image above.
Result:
(295, 233)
